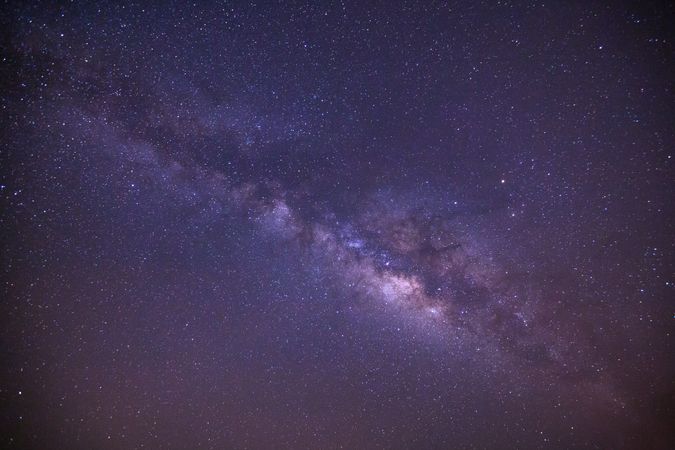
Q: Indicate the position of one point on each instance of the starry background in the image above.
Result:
(345, 225)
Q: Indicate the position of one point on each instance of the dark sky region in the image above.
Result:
(337, 225)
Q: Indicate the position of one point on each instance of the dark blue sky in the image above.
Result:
(337, 225)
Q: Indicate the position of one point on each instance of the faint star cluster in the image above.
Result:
(337, 225)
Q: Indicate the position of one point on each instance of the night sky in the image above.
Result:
(337, 225)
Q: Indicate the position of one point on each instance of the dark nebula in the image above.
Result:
(344, 225)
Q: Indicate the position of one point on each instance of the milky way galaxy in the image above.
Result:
(349, 225)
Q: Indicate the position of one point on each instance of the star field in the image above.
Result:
(337, 225)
